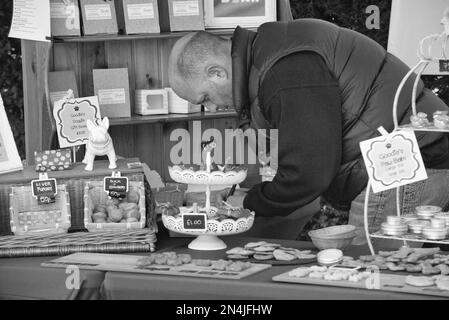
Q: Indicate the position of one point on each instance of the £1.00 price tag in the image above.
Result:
(194, 222)
(44, 190)
(393, 160)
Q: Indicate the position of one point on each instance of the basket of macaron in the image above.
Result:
(104, 213)
(335, 237)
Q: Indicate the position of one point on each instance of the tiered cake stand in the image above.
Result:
(426, 59)
(208, 239)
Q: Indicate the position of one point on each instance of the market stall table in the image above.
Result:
(119, 285)
(24, 278)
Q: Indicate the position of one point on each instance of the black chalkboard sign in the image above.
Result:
(194, 222)
(116, 184)
(444, 65)
(44, 190)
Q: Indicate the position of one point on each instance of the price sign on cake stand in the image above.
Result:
(203, 221)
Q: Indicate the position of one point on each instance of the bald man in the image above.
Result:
(325, 89)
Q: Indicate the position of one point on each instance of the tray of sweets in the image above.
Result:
(167, 263)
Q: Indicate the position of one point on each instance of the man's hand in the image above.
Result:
(236, 200)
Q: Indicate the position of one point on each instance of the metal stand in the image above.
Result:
(425, 59)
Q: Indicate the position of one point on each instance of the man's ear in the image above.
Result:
(105, 123)
(217, 72)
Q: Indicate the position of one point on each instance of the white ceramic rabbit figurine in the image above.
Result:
(99, 144)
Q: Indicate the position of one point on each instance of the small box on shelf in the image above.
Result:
(151, 101)
(98, 17)
(137, 16)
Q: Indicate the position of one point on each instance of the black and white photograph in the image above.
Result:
(223, 156)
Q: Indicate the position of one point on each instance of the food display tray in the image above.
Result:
(388, 282)
(128, 263)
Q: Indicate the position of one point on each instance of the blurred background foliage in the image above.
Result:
(11, 76)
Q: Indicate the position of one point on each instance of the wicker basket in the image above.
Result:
(95, 194)
(28, 217)
(75, 182)
(63, 244)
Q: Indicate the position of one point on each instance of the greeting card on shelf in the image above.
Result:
(99, 17)
(393, 160)
(112, 88)
(71, 117)
(65, 18)
(59, 82)
(9, 156)
(137, 16)
(181, 15)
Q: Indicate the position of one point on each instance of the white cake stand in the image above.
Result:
(208, 239)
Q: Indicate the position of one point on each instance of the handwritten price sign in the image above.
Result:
(194, 222)
(44, 190)
(393, 160)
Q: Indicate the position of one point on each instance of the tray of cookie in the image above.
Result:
(370, 279)
(166, 263)
(271, 253)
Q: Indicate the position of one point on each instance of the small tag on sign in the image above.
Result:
(46, 199)
(444, 65)
(118, 195)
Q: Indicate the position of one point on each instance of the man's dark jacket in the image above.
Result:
(368, 78)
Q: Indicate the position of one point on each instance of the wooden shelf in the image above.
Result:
(118, 37)
(164, 118)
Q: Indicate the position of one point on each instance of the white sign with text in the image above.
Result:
(393, 160)
(71, 117)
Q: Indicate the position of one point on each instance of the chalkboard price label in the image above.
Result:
(116, 184)
(444, 65)
(194, 222)
(46, 199)
(44, 190)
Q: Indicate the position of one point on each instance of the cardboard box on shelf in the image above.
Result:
(137, 16)
(150, 102)
(58, 84)
(112, 88)
(99, 17)
(65, 18)
(181, 15)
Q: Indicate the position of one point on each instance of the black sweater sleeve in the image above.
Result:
(301, 98)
